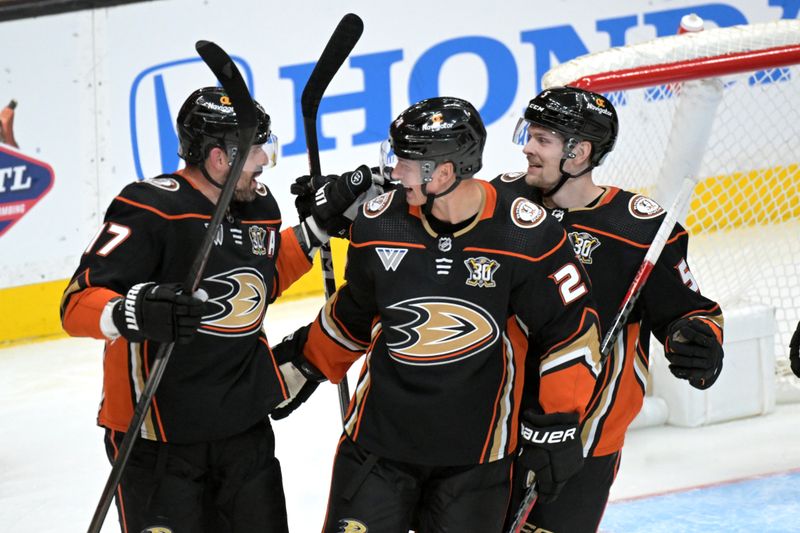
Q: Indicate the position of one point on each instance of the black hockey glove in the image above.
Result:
(551, 449)
(301, 377)
(794, 351)
(158, 313)
(333, 201)
(693, 352)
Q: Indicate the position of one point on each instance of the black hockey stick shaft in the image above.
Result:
(625, 308)
(228, 75)
(341, 43)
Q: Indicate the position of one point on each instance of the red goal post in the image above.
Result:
(724, 105)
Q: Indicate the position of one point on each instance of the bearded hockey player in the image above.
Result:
(205, 458)
(567, 132)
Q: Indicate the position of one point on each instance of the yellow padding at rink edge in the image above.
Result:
(741, 199)
(30, 312)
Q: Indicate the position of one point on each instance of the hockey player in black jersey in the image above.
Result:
(205, 460)
(435, 270)
(566, 132)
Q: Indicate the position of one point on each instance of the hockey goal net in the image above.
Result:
(742, 140)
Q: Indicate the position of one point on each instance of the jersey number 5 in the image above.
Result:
(570, 285)
(119, 232)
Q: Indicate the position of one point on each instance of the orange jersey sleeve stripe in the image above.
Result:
(161, 213)
(568, 390)
(627, 241)
(292, 263)
(276, 221)
(328, 356)
(82, 314)
(495, 409)
(520, 256)
(277, 370)
(386, 243)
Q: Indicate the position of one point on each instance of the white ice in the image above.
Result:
(53, 466)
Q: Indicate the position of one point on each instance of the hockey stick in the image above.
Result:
(341, 43)
(228, 75)
(621, 318)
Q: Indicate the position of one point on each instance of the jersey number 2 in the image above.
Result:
(570, 285)
(119, 232)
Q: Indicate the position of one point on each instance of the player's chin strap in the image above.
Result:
(208, 177)
(568, 154)
(431, 197)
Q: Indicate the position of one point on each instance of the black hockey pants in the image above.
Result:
(374, 494)
(230, 485)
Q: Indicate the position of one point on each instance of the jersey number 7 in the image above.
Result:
(119, 232)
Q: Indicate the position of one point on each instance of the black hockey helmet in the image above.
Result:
(578, 115)
(207, 119)
(437, 130)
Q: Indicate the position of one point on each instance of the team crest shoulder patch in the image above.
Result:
(509, 177)
(351, 525)
(527, 214)
(167, 184)
(261, 189)
(643, 207)
(378, 205)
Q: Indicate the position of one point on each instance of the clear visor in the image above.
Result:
(388, 161)
(408, 172)
(522, 133)
(261, 156)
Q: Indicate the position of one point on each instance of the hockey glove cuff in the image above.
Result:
(551, 450)
(300, 376)
(693, 352)
(159, 313)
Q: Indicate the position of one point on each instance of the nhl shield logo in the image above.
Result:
(445, 244)
(23, 182)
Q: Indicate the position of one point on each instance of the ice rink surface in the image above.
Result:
(735, 476)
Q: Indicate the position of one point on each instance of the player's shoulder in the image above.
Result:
(524, 226)
(384, 218)
(388, 204)
(629, 216)
(168, 194)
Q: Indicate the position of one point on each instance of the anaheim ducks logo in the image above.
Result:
(239, 300)
(378, 205)
(350, 525)
(526, 214)
(168, 184)
(157, 529)
(261, 189)
(644, 207)
(441, 330)
(510, 177)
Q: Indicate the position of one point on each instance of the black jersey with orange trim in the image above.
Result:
(610, 239)
(225, 379)
(441, 382)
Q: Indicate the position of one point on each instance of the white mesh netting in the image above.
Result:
(744, 218)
